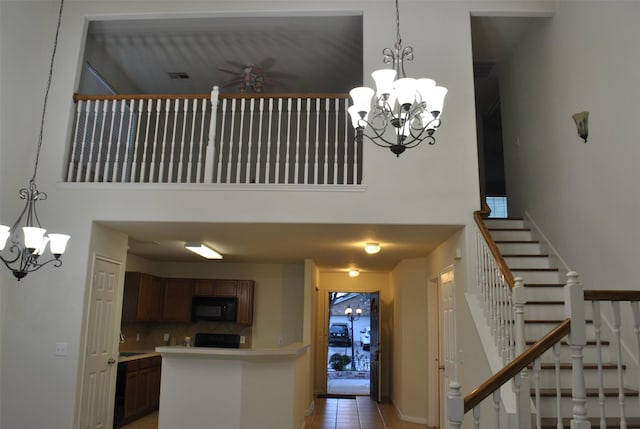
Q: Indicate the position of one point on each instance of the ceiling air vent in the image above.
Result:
(482, 69)
(178, 75)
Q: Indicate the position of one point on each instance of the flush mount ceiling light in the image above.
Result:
(202, 250)
(411, 106)
(354, 273)
(25, 237)
(372, 248)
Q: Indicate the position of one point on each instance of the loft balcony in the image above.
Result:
(262, 139)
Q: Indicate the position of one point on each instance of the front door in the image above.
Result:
(101, 342)
(447, 338)
(375, 368)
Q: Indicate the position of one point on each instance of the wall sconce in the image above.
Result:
(582, 123)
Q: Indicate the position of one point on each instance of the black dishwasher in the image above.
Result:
(121, 386)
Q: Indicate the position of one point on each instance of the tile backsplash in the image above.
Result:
(147, 336)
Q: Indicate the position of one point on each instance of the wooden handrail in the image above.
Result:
(77, 97)
(612, 295)
(515, 366)
(508, 276)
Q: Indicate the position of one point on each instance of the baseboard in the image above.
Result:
(410, 419)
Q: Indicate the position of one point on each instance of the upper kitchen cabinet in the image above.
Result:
(214, 287)
(177, 299)
(143, 298)
(244, 292)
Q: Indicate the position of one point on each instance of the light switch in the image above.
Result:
(242, 339)
(61, 349)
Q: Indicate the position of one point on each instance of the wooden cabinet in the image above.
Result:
(177, 299)
(213, 287)
(245, 302)
(143, 298)
(142, 391)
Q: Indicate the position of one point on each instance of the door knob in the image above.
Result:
(440, 366)
(111, 361)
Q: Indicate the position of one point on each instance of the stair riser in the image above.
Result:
(590, 354)
(519, 248)
(550, 312)
(504, 223)
(511, 235)
(535, 331)
(591, 378)
(545, 293)
(527, 262)
(545, 277)
(548, 406)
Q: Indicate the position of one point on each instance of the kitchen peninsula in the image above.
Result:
(233, 388)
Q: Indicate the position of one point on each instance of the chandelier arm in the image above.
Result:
(378, 136)
(10, 261)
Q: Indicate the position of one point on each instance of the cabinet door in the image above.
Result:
(245, 302)
(177, 300)
(150, 299)
(143, 404)
(131, 395)
(205, 287)
(154, 387)
(225, 288)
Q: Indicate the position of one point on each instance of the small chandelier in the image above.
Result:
(412, 106)
(26, 238)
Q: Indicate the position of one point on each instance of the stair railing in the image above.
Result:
(574, 327)
(502, 295)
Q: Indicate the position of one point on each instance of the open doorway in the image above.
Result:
(349, 346)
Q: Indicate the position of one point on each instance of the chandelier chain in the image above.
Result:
(398, 38)
(46, 94)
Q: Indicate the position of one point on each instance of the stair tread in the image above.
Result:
(611, 422)
(590, 392)
(544, 303)
(535, 269)
(543, 285)
(564, 343)
(509, 229)
(516, 241)
(524, 255)
(586, 366)
(557, 321)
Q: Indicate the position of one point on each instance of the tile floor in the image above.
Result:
(332, 413)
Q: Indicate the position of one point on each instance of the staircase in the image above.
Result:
(544, 310)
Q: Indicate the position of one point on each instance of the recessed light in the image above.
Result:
(354, 273)
(203, 250)
(372, 248)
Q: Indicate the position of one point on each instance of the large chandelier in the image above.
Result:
(26, 237)
(413, 107)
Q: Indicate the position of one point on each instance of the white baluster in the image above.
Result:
(536, 380)
(260, 145)
(326, 142)
(155, 145)
(335, 145)
(174, 134)
(108, 164)
(597, 323)
(518, 298)
(163, 148)
(90, 157)
(232, 113)
(73, 162)
(288, 145)
(296, 159)
(574, 308)
(476, 417)
(635, 311)
(347, 125)
(181, 143)
(200, 154)
(210, 151)
(307, 146)
(556, 361)
(249, 163)
(191, 151)
(98, 164)
(278, 142)
(267, 173)
(617, 322)
(221, 152)
(119, 160)
(132, 127)
(316, 167)
(455, 406)
(496, 406)
(146, 141)
(240, 142)
(136, 144)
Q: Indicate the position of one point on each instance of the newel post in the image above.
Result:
(574, 309)
(209, 164)
(455, 406)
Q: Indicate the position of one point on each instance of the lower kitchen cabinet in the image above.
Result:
(141, 390)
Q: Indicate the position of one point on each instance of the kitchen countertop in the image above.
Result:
(141, 354)
(287, 352)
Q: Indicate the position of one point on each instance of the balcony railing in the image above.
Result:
(214, 138)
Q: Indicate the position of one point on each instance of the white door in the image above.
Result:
(100, 360)
(433, 346)
(447, 338)
(375, 360)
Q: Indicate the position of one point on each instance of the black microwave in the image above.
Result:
(214, 309)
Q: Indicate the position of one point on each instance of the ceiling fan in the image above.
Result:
(252, 77)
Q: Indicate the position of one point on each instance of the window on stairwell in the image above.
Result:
(498, 207)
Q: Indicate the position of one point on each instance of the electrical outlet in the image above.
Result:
(165, 337)
(61, 349)
(137, 336)
(242, 339)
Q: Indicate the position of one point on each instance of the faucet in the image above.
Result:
(121, 337)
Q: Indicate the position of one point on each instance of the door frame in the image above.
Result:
(434, 383)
